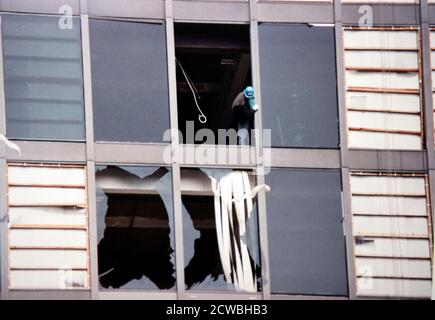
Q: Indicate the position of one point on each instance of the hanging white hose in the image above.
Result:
(233, 190)
(202, 118)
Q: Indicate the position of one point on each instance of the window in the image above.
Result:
(391, 228)
(213, 67)
(298, 85)
(129, 81)
(220, 230)
(43, 78)
(48, 227)
(383, 88)
(135, 228)
(306, 241)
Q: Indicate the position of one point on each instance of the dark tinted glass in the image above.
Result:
(129, 81)
(298, 85)
(43, 78)
(306, 241)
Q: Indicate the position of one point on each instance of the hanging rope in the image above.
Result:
(202, 118)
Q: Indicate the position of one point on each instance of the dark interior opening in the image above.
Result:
(136, 242)
(206, 261)
(216, 58)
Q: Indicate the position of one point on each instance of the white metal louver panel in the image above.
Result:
(383, 88)
(48, 227)
(59, 177)
(391, 225)
(47, 216)
(52, 259)
(381, 140)
(381, 205)
(406, 103)
(390, 80)
(49, 196)
(400, 268)
(380, 38)
(48, 279)
(42, 238)
(381, 59)
(392, 247)
(392, 288)
(373, 120)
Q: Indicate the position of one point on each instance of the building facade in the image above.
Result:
(98, 200)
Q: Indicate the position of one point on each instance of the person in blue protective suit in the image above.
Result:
(244, 108)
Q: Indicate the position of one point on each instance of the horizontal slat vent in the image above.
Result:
(48, 227)
(383, 89)
(391, 223)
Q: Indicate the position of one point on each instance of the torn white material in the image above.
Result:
(233, 191)
(10, 144)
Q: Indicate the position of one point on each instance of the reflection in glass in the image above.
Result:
(129, 80)
(298, 85)
(43, 78)
(306, 241)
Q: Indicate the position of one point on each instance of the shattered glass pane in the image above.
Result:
(202, 252)
(135, 228)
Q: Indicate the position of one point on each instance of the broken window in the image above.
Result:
(306, 242)
(220, 230)
(48, 227)
(213, 67)
(298, 85)
(43, 78)
(392, 234)
(135, 227)
(383, 88)
(129, 80)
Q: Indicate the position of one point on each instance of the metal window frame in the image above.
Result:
(128, 294)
